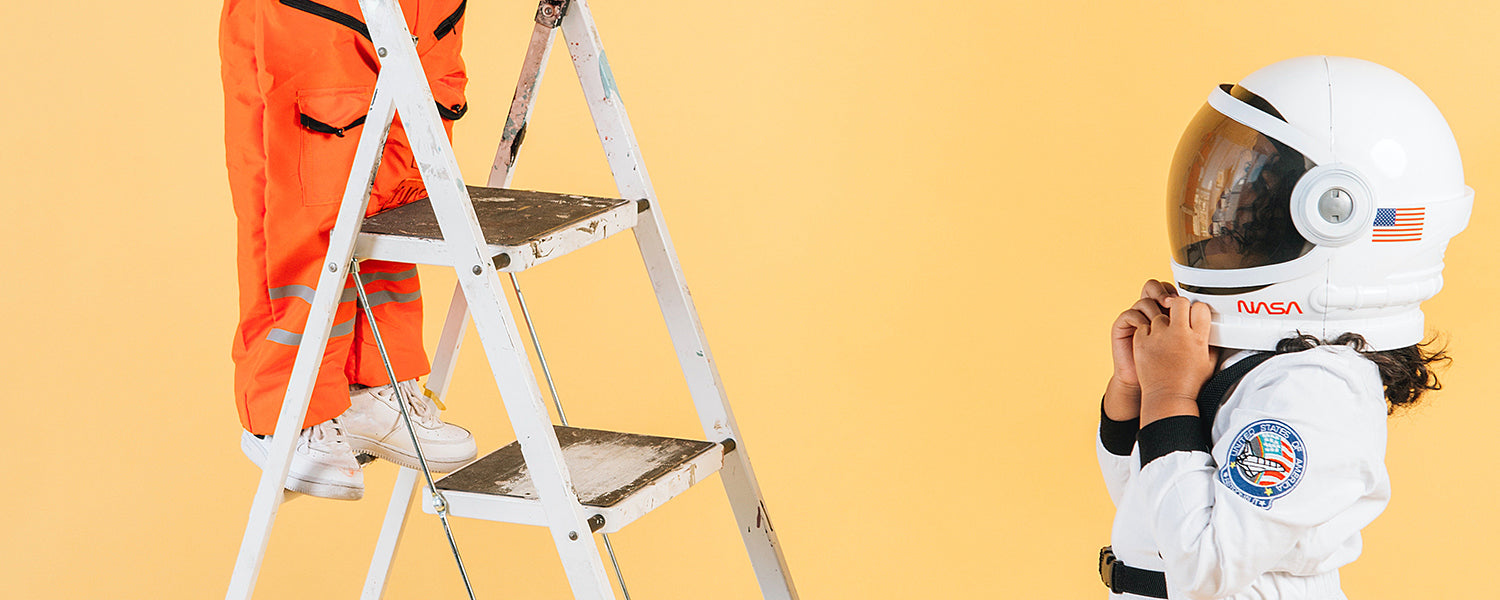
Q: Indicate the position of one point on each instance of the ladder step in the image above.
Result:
(523, 228)
(619, 476)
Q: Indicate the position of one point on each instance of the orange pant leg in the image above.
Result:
(297, 83)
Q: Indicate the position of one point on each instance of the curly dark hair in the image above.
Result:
(1273, 233)
(1407, 373)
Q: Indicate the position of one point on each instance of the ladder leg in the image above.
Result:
(524, 100)
(629, 170)
(713, 410)
(390, 535)
(755, 528)
(521, 394)
(548, 16)
(445, 358)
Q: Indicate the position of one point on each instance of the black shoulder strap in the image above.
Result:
(1212, 393)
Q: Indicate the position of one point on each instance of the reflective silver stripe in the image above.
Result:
(396, 276)
(376, 298)
(282, 336)
(306, 292)
(293, 291)
(384, 296)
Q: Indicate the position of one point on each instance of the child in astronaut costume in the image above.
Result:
(1309, 208)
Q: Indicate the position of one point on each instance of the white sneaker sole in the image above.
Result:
(364, 445)
(254, 451)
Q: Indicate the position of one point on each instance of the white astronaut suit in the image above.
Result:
(1297, 470)
(1315, 197)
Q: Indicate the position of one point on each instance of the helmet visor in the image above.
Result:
(1229, 196)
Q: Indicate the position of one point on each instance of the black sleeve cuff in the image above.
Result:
(1118, 437)
(1173, 434)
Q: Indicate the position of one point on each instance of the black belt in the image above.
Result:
(1124, 579)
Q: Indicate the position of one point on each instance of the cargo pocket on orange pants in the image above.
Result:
(451, 106)
(330, 121)
(449, 94)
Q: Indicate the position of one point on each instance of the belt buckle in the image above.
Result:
(1107, 562)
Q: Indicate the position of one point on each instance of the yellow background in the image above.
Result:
(907, 226)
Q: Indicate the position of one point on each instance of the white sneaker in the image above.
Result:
(323, 464)
(373, 426)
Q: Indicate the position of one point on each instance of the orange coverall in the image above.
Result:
(298, 77)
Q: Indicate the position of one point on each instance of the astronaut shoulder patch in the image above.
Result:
(1266, 460)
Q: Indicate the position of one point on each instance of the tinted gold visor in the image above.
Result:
(1229, 196)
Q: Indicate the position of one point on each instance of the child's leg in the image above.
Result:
(396, 299)
(282, 69)
(279, 64)
(395, 293)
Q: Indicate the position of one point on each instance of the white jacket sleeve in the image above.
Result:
(1115, 447)
(1298, 471)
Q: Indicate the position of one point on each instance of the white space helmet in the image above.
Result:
(1316, 196)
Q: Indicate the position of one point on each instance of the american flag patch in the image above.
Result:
(1399, 224)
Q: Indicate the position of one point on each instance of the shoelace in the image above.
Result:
(327, 433)
(422, 410)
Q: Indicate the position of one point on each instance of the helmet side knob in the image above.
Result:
(1332, 205)
(1335, 205)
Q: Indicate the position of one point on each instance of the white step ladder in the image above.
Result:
(573, 481)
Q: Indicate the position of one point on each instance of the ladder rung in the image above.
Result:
(620, 476)
(523, 228)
